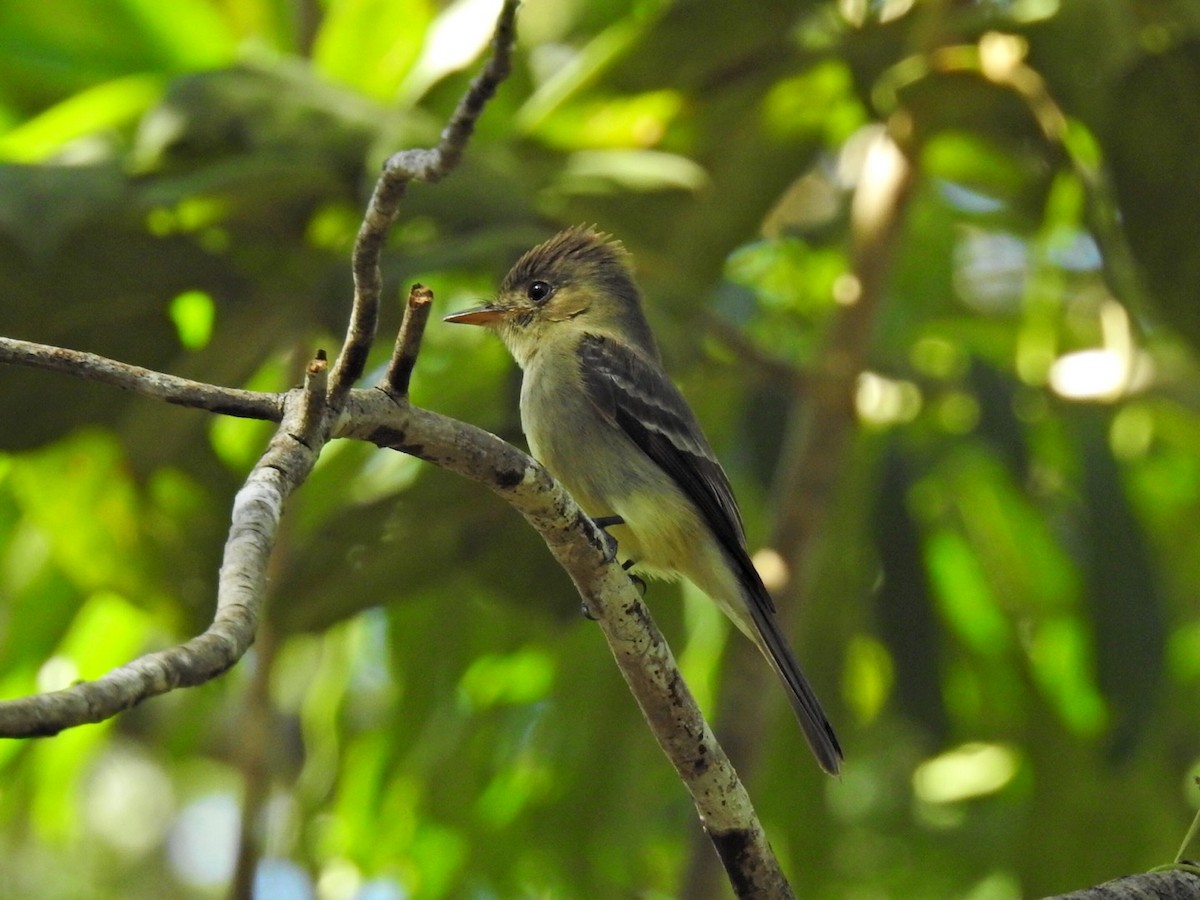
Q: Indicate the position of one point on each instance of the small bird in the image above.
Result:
(602, 415)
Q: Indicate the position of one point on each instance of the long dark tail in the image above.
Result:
(817, 730)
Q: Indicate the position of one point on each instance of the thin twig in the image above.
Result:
(408, 341)
(401, 168)
(312, 417)
(146, 382)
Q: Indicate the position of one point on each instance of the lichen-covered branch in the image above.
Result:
(241, 591)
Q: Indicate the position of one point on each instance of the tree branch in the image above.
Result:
(146, 382)
(408, 341)
(388, 420)
(1170, 884)
(401, 168)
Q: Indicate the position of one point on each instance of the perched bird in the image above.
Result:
(600, 412)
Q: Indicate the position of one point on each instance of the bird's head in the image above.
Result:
(578, 281)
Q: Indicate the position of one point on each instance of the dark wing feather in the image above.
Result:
(635, 394)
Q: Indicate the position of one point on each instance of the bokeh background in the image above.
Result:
(977, 488)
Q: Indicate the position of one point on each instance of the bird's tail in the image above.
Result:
(770, 640)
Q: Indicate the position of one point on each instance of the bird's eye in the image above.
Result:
(539, 291)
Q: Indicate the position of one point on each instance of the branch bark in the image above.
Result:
(641, 653)
(327, 407)
(1171, 884)
(146, 382)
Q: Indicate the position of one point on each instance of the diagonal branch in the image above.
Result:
(401, 168)
(388, 420)
(641, 653)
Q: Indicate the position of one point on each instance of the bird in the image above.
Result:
(600, 412)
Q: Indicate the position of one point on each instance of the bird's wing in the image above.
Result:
(637, 396)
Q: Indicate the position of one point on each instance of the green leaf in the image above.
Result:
(112, 105)
(193, 313)
(370, 45)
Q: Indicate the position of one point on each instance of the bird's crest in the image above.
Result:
(581, 251)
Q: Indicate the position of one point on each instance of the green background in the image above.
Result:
(999, 603)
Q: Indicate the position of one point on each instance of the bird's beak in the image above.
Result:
(479, 315)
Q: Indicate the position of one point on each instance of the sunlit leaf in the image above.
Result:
(637, 121)
(82, 498)
(458, 35)
(869, 675)
(521, 677)
(1062, 658)
(193, 313)
(608, 171)
(964, 593)
(370, 45)
(114, 104)
(583, 67)
(819, 101)
(974, 163)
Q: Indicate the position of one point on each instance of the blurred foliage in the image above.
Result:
(1002, 617)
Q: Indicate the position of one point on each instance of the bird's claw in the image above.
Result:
(587, 612)
(603, 523)
(638, 581)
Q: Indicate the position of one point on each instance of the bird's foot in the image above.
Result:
(603, 523)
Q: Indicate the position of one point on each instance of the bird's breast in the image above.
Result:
(607, 473)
